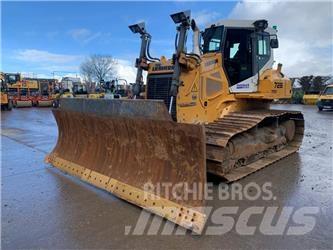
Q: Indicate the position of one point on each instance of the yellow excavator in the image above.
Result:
(204, 111)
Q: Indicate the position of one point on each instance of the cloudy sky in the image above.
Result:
(41, 38)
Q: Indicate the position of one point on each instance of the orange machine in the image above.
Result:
(17, 90)
(44, 97)
(24, 92)
(6, 102)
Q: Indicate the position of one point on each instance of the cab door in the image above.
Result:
(261, 49)
(238, 59)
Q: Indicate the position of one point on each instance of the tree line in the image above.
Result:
(98, 68)
(313, 84)
(309, 85)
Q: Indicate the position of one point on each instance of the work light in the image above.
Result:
(181, 17)
(138, 28)
(261, 25)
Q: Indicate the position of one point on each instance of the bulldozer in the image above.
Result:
(22, 91)
(6, 101)
(44, 97)
(205, 111)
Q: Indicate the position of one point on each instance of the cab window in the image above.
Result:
(237, 56)
(212, 38)
(12, 78)
(233, 50)
(214, 44)
(263, 46)
(263, 50)
(328, 91)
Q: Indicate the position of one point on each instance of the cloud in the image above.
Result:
(43, 63)
(83, 35)
(304, 29)
(42, 56)
(301, 58)
(40, 75)
(61, 68)
(78, 34)
(126, 70)
(205, 17)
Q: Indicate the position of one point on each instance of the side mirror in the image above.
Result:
(274, 43)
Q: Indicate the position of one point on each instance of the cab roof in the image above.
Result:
(239, 23)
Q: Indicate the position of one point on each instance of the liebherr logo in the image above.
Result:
(163, 68)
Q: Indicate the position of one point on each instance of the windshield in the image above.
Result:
(12, 79)
(328, 91)
(212, 38)
(3, 85)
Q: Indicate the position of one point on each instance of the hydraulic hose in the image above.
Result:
(149, 57)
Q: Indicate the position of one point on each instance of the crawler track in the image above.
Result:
(220, 132)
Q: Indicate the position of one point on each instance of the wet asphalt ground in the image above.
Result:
(45, 208)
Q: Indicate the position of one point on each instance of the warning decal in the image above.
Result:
(194, 88)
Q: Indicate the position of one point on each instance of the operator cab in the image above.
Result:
(12, 78)
(246, 48)
(3, 84)
(328, 90)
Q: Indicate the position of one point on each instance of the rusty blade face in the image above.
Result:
(135, 152)
(148, 109)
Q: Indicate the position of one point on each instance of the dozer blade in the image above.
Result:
(243, 134)
(123, 145)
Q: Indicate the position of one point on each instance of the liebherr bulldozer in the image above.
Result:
(204, 111)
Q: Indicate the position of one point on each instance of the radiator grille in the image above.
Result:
(158, 88)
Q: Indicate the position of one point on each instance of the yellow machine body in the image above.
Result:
(4, 98)
(4, 94)
(66, 95)
(325, 100)
(96, 95)
(327, 94)
(310, 99)
(6, 102)
(204, 95)
(25, 84)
